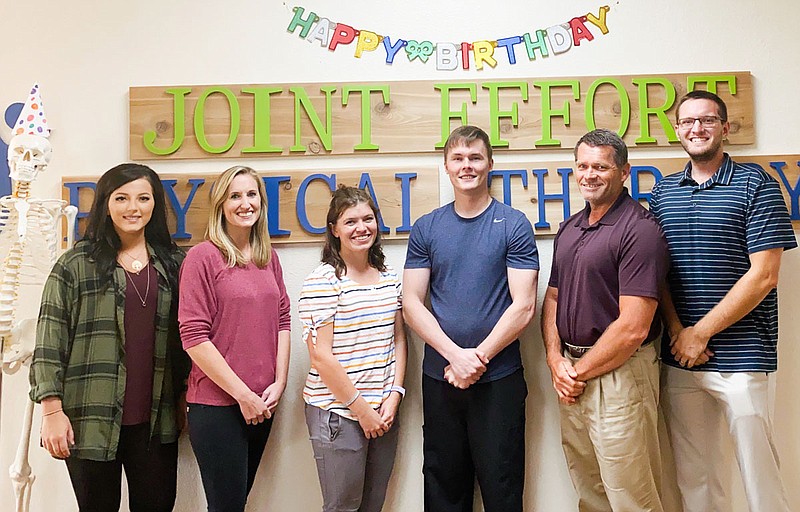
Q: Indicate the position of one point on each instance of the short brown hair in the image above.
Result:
(703, 95)
(467, 135)
(602, 137)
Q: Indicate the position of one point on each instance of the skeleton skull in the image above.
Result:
(28, 155)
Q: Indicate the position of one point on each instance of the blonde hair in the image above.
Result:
(260, 247)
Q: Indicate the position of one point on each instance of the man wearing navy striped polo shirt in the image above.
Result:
(726, 225)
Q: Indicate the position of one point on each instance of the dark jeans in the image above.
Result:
(478, 431)
(151, 470)
(228, 452)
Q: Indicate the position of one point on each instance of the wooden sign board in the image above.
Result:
(542, 193)
(545, 191)
(235, 121)
(298, 200)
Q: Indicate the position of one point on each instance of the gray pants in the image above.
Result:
(353, 471)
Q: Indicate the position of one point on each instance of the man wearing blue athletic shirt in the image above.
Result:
(477, 257)
(726, 226)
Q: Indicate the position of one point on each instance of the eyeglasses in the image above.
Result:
(686, 123)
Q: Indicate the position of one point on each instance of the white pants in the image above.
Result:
(699, 408)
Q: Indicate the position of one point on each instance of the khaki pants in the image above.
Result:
(610, 438)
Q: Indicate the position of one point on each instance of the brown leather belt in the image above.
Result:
(577, 351)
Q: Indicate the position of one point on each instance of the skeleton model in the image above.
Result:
(28, 250)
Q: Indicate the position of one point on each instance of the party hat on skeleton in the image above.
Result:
(32, 119)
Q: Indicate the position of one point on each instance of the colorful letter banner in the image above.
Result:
(447, 56)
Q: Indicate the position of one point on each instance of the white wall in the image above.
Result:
(87, 54)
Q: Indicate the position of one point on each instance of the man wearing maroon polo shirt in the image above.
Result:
(610, 262)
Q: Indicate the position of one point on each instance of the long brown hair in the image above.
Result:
(103, 237)
(346, 197)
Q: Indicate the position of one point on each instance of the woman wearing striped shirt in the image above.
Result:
(353, 327)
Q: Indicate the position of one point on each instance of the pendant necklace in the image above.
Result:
(136, 264)
(143, 300)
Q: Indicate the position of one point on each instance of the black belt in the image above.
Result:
(577, 351)
(574, 350)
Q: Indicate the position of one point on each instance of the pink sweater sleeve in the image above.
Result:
(198, 305)
(284, 313)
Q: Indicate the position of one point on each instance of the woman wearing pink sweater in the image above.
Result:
(234, 322)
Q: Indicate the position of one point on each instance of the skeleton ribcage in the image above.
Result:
(37, 248)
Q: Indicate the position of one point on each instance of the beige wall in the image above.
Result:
(86, 55)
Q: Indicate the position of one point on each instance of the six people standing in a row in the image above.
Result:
(114, 382)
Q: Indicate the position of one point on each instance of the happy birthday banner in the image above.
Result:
(554, 40)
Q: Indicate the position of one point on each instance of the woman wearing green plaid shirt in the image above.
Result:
(108, 367)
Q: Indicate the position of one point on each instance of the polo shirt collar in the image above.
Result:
(723, 176)
(611, 216)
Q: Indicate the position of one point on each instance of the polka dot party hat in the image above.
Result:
(32, 119)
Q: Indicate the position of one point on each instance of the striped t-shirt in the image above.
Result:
(711, 230)
(363, 317)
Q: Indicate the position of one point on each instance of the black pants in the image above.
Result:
(478, 431)
(228, 452)
(151, 470)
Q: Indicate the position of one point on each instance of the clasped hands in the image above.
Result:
(690, 347)
(376, 423)
(256, 409)
(466, 367)
(565, 381)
